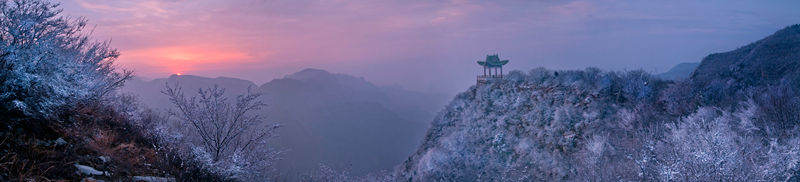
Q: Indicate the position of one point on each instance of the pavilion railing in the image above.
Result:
(489, 77)
(482, 79)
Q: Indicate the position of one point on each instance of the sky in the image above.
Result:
(424, 45)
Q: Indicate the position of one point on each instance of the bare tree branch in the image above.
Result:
(224, 129)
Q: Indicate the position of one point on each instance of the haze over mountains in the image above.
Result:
(680, 71)
(332, 119)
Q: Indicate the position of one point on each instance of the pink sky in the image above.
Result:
(423, 45)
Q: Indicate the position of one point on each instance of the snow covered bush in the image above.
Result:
(713, 144)
(48, 61)
(779, 108)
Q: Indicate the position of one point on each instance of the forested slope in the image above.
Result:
(729, 121)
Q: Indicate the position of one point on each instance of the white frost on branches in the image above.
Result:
(48, 61)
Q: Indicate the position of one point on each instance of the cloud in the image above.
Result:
(455, 10)
(572, 9)
(139, 9)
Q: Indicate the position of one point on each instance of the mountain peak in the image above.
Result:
(790, 30)
(176, 76)
(309, 73)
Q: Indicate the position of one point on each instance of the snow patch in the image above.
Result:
(59, 142)
(82, 169)
(104, 159)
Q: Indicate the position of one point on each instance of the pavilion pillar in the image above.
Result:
(492, 68)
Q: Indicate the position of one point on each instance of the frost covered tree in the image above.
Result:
(48, 61)
(227, 134)
(606, 126)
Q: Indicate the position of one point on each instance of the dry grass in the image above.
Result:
(29, 153)
(34, 164)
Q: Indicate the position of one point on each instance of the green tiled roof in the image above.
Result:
(493, 61)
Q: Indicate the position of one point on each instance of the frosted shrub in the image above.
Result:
(48, 61)
(229, 137)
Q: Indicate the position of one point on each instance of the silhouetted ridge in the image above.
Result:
(680, 71)
(761, 62)
(309, 73)
(725, 79)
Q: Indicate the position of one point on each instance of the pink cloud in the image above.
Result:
(186, 58)
(139, 9)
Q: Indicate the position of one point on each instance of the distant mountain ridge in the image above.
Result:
(150, 91)
(329, 118)
(678, 72)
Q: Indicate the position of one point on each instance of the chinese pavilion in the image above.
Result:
(492, 62)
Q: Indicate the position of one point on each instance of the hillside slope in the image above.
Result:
(94, 142)
(729, 121)
(533, 123)
(762, 62)
(774, 60)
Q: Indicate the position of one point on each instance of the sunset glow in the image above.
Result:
(178, 58)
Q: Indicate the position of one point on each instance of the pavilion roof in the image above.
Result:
(493, 61)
